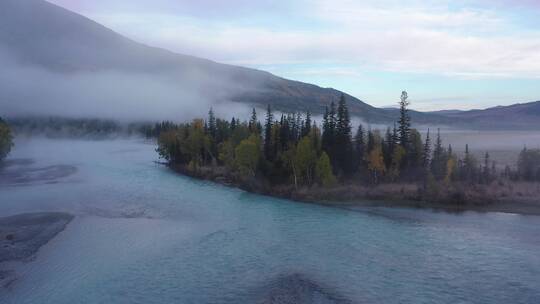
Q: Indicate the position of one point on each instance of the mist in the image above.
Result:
(31, 90)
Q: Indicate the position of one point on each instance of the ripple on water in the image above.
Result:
(298, 289)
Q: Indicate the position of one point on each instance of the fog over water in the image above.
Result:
(145, 234)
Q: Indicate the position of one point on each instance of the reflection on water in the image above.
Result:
(144, 234)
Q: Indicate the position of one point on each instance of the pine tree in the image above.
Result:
(343, 141)
(326, 129)
(360, 148)
(413, 163)
(370, 141)
(329, 130)
(439, 162)
(485, 170)
(284, 132)
(395, 136)
(469, 165)
(426, 159)
(426, 154)
(388, 148)
(268, 144)
(299, 127)
(253, 121)
(212, 129)
(404, 122)
(315, 134)
(306, 125)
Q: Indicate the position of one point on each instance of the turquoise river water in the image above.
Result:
(143, 234)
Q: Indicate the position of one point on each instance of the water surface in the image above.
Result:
(144, 234)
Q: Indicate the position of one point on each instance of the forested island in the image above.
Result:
(293, 156)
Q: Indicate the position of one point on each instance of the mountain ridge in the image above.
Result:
(41, 34)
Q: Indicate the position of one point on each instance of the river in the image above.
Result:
(144, 234)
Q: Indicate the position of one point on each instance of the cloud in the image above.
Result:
(465, 43)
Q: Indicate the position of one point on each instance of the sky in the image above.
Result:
(459, 54)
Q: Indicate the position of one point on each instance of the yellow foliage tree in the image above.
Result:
(450, 169)
(376, 164)
(247, 155)
(323, 171)
(305, 160)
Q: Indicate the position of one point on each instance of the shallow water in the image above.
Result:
(146, 235)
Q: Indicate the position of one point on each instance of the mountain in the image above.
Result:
(38, 34)
(55, 62)
(446, 112)
(518, 116)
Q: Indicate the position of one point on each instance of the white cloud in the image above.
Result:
(461, 43)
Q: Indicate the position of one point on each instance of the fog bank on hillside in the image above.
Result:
(29, 90)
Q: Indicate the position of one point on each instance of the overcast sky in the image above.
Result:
(448, 54)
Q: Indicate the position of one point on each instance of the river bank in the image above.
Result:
(499, 196)
(22, 235)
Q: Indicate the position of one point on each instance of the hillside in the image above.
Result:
(38, 34)
(59, 62)
(517, 116)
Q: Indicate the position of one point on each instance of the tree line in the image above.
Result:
(294, 149)
(6, 139)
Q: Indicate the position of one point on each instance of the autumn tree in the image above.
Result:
(247, 155)
(305, 160)
(226, 154)
(197, 144)
(375, 160)
(323, 171)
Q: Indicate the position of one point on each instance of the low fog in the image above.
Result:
(30, 90)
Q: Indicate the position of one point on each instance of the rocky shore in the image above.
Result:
(499, 196)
